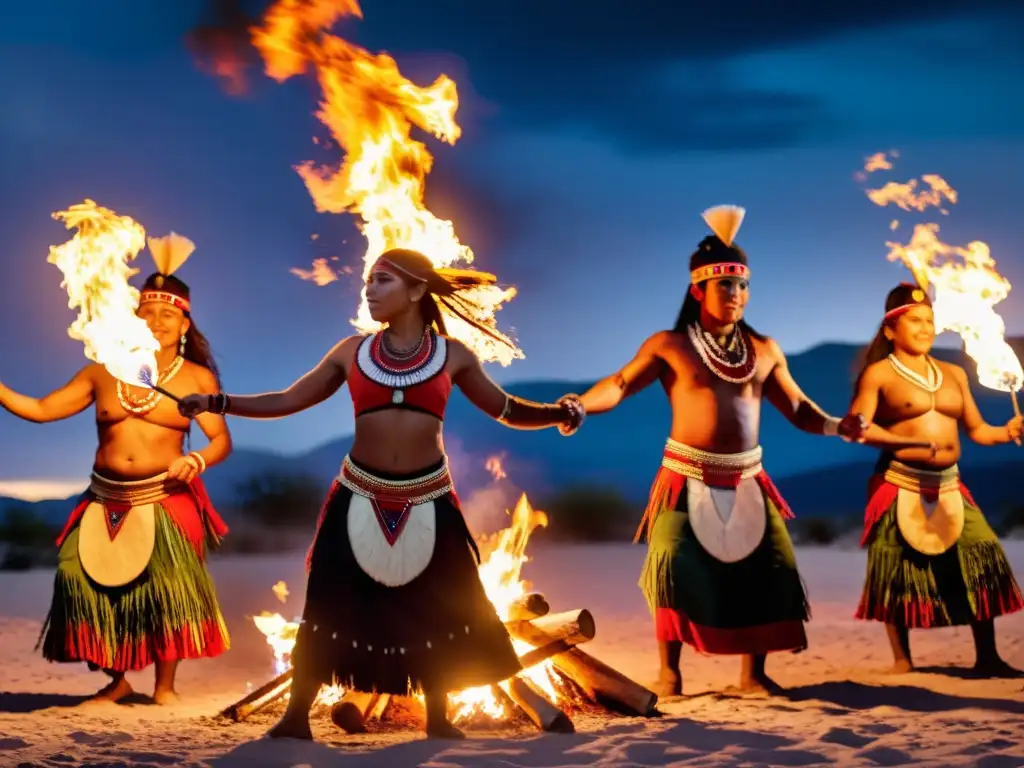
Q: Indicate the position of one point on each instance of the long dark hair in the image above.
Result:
(447, 289)
(903, 296)
(198, 350)
(689, 314)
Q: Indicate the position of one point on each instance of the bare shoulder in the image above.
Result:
(876, 374)
(344, 352)
(952, 369)
(459, 355)
(201, 375)
(661, 341)
(768, 348)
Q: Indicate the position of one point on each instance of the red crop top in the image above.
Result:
(419, 384)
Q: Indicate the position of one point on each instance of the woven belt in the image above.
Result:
(418, 490)
(134, 492)
(923, 480)
(697, 464)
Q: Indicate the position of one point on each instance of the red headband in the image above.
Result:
(917, 300)
(167, 298)
(397, 271)
(725, 269)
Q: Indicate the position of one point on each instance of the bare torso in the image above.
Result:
(708, 413)
(134, 446)
(907, 410)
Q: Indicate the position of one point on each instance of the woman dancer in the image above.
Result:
(942, 567)
(132, 587)
(394, 598)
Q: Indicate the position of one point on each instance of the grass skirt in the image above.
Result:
(168, 613)
(968, 583)
(757, 605)
(437, 632)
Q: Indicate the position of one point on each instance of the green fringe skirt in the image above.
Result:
(170, 612)
(968, 583)
(754, 606)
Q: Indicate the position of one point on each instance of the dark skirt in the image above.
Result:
(439, 632)
(753, 606)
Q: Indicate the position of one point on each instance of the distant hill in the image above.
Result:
(622, 449)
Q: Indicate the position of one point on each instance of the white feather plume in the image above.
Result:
(170, 252)
(725, 221)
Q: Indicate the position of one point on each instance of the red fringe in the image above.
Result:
(882, 495)
(672, 625)
(83, 644)
(191, 511)
(335, 487)
(920, 614)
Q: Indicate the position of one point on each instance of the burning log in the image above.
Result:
(538, 708)
(572, 627)
(259, 699)
(350, 714)
(529, 606)
(605, 685)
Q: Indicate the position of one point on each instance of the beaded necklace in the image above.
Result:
(931, 384)
(736, 364)
(399, 371)
(149, 401)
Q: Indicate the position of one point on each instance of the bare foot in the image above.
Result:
(670, 683)
(900, 667)
(113, 692)
(291, 727)
(995, 668)
(444, 730)
(166, 697)
(756, 684)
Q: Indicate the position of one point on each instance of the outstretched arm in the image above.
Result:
(977, 428)
(483, 392)
(785, 394)
(638, 374)
(213, 425)
(865, 404)
(313, 388)
(71, 399)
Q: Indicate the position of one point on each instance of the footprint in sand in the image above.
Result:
(847, 738)
(886, 756)
(880, 729)
(13, 744)
(100, 739)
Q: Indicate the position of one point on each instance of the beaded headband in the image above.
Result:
(397, 271)
(147, 297)
(917, 300)
(725, 269)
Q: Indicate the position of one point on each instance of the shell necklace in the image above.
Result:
(148, 402)
(735, 365)
(931, 384)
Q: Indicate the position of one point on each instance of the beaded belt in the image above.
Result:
(134, 492)
(923, 480)
(699, 465)
(418, 490)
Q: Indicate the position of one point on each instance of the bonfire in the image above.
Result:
(557, 677)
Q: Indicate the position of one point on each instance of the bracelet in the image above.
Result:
(831, 426)
(219, 403)
(199, 460)
(577, 413)
(506, 411)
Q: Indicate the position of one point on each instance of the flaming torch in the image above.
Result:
(964, 281)
(95, 264)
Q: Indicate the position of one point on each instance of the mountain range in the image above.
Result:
(621, 450)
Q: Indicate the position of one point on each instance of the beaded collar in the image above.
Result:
(381, 366)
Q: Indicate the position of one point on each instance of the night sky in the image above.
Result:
(593, 137)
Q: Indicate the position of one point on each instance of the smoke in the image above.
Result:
(486, 485)
(221, 43)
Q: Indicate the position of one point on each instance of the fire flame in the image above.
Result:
(503, 557)
(966, 285)
(371, 109)
(95, 267)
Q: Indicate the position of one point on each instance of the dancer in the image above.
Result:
(720, 573)
(132, 587)
(933, 559)
(394, 598)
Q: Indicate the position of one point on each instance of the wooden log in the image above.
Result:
(605, 685)
(260, 698)
(538, 708)
(351, 712)
(573, 627)
(529, 606)
(380, 707)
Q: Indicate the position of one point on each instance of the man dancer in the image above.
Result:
(720, 573)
